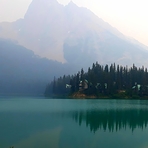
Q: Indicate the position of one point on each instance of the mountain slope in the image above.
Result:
(72, 34)
(23, 72)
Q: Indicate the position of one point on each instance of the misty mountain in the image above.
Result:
(33, 49)
(23, 72)
(72, 34)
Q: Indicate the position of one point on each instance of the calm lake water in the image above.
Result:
(57, 123)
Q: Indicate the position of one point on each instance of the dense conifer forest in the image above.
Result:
(114, 81)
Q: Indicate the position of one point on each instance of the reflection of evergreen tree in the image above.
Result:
(113, 119)
(112, 81)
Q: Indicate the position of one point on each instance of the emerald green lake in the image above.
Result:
(65, 123)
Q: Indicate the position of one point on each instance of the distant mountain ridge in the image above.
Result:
(72, 34)
(23, 72)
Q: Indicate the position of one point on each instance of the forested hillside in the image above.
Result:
(23, 72)
(103, 81)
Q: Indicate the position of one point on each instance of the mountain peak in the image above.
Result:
(48, 2)
(40, 6)
(74, 32)
(72, 4)
(43, 3)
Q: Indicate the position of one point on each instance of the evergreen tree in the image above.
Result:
(105, 80)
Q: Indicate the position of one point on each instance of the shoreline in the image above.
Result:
(79, 95)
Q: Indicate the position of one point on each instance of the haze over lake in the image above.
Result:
(55, 123)
(93, 50)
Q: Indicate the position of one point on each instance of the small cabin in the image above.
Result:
(68, 86)
(83, 85)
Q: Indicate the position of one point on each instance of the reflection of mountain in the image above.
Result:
(113, 119)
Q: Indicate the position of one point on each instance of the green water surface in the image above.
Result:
(65, 123)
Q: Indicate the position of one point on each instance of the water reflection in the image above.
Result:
(73, 123)
(112, 120)
(46, 139)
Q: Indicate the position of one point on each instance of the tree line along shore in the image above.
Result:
(114, 81)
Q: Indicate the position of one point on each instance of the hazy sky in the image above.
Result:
(128, 16)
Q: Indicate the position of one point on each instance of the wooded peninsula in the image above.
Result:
(100, 81)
